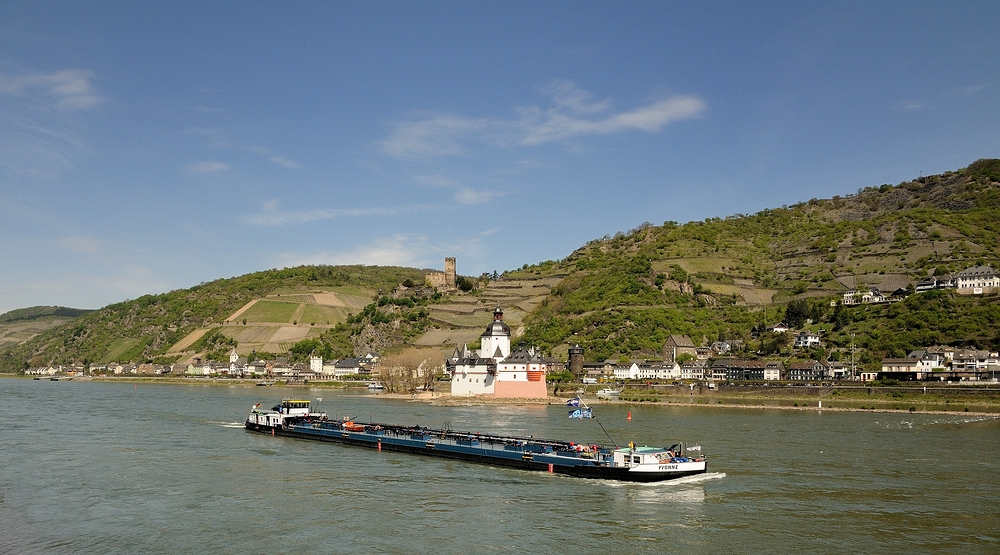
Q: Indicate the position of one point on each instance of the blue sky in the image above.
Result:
(150, 146)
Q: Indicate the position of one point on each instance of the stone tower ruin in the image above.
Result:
(449, 273)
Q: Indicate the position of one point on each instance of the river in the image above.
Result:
(96, 467)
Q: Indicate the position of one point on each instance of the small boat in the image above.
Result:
(61, 378)
(376, 386)
(634, 463)
(608, 393)
(265, 383)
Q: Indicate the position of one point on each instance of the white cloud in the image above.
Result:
(438, 135)
(39, 132)
(290, 164)
(963, 92)
(463, 195)
(436, 180)
(398, 250)
(272, 217)
(572, 114)
(468, 196)
(65, 89)
(218, 139)
(909, 105)
(207, 167)
(81, 244)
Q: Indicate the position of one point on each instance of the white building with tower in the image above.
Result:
(494, 369)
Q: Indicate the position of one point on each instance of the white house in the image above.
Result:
(977, 277)
(806, 339)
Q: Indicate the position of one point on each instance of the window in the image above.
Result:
(636, 459)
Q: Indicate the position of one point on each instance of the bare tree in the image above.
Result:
(404, 371)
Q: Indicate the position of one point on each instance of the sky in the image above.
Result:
(150, 146)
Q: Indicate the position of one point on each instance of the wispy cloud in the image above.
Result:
(397, 250)
(909, 105)
(39, 128)
(65, 89)
(207, 167)
(463, 194)
(964, 92)
(272, 217)
(572, 113)
(468, 196)
(219, 139)
(81, 245)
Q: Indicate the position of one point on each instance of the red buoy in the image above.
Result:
(629, 416)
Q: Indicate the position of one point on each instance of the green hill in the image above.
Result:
(718, 278)
(23, 324)
(617, 296)
(153, 327)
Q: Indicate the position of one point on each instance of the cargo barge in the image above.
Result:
(294, 418)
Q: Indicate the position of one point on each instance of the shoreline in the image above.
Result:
(446, 399)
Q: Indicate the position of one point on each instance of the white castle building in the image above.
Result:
(496, 370)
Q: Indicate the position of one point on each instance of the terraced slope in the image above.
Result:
(277, 321)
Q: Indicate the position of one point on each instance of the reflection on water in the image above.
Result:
(112, 468)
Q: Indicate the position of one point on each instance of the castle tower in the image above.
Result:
(495, 340)
(449, 273)
(576, 361)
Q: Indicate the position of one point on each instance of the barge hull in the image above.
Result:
(521, 460)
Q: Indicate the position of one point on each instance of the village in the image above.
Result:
(499, 369)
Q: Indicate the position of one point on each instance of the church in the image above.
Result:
(495, 369)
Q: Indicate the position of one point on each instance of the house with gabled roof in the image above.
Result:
(677, 345)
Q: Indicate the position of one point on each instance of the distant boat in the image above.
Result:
(61, 378)
(376, 386)
(265, 383)
(608, 393)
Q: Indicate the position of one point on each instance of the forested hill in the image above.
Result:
(38, 312)
(147, 327)
(618, 297)
(718, 278)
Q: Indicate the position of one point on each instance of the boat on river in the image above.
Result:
(634, 463)
(609, 393)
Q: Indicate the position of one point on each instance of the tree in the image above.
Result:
(685, 358)
(796, 313)
(406, 370)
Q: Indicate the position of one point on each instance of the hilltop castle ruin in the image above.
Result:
(446, 280)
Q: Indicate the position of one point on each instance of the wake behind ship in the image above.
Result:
(294, 418)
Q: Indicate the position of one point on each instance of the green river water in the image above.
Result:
(88, 467)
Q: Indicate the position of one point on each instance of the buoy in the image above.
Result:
(551, 468)
(380, 445)
(629, 416)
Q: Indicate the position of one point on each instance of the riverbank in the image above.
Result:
(973, 401)
(451, 401)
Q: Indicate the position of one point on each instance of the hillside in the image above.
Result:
(156, 327)
(23, 324)
(718, 278)
(618, 297)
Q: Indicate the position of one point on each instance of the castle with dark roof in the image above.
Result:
(494, 369)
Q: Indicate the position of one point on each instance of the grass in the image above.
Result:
(322, 315)
(117, 348)
(270, 311)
